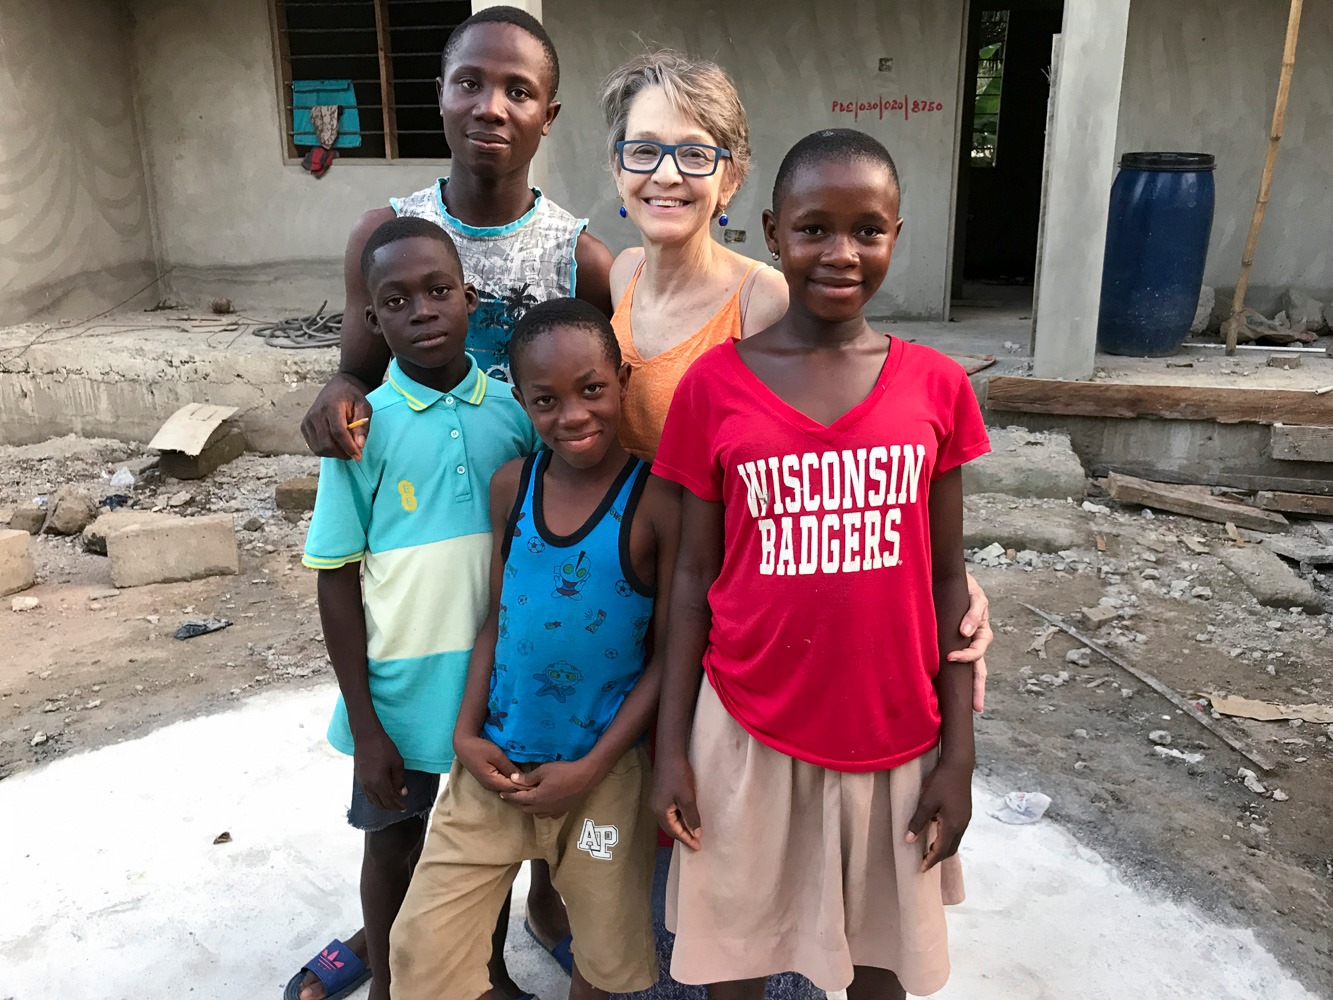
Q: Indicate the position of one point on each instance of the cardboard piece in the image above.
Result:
(1264, 711)
(197, 439)
(190, 429)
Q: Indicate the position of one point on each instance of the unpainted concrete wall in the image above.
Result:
(791, 60)
(1202, 75)
(234, 216)
(75, 225)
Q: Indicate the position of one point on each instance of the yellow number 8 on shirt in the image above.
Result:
(407, 494)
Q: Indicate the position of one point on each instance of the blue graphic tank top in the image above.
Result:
(574, 617)
(513, 267)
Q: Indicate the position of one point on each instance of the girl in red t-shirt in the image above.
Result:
(820, 782)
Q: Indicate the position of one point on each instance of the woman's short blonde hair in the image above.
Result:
(698, 89)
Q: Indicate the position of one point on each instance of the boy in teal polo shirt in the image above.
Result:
(415, 513)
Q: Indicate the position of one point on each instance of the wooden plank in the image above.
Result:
(1236, 480)
(282, 56)
(1188, 707)
(1308, 504)
(1302, 444)
(1166, 402)
(388, 106)
(1193, 501)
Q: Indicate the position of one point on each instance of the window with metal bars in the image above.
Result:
(377, 60)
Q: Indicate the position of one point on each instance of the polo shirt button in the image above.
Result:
(462, 470)
(453, 433)
(448, 400)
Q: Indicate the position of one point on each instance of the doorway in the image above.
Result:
(1002, 149)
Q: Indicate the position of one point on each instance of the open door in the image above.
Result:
(1002, 149)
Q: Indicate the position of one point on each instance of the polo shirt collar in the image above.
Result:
(471, 390)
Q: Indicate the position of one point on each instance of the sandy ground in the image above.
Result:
(116, 888)
(1187, 848)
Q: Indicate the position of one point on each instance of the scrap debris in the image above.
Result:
(1264, 711)
(1181, 703)
(1022, 808)
(1171, 753)
(201, 626)
(319, 329)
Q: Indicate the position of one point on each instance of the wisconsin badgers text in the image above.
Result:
(831, 512)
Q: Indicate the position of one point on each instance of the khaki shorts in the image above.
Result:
(601, 856)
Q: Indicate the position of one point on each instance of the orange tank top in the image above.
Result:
(655, 379)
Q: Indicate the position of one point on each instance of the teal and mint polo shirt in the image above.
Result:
(415, 511)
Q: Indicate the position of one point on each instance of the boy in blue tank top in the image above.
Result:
(562, 684)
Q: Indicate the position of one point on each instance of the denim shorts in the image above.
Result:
(422, 788)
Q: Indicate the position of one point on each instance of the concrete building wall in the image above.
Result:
(75, 226)
(792, 60)
(234, 217)
(1201, 75)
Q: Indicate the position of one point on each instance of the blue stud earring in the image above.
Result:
(722, 220)
(623, 213)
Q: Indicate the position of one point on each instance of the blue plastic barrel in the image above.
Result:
(1156, 244)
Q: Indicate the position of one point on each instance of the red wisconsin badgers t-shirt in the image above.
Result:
(823, 644)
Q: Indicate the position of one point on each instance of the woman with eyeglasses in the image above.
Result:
(680, 149)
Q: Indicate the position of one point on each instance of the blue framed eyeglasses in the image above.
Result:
(693, 159)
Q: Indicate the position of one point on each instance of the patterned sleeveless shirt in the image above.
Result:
(574, 618)
(513, 267)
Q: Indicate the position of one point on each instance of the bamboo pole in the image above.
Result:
(1236, 320)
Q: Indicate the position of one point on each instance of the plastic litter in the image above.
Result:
(1022, 808)
(201, 626)
(1174, 754)
(123, 479)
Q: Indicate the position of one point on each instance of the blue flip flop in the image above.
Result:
(337, 967)
(562, 951)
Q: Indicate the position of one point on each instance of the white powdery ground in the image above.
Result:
(113, 887)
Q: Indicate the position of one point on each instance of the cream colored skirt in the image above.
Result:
(803, 869)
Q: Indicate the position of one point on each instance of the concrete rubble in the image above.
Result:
(1203, 315)
(1272, 582)
(28, 517)
(172, 549)
(1025, 463)
(16, 565)
(297, 496)
(71, 510)
(988, 519)
(1303, 311)
(94, 536)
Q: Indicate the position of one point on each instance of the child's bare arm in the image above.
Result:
(698, 563)
(661, 504)
(377, 762)
(594, 271)
(486, 761)
(946, 795)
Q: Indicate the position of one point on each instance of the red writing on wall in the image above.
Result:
(905, 105)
